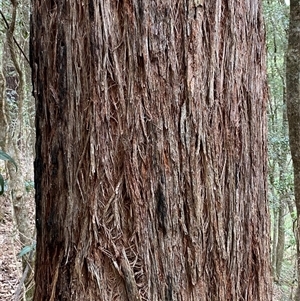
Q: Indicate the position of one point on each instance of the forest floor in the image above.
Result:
(10, 246)
(10, 266)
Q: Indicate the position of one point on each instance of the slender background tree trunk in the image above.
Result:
(150, 163)
(293, 111)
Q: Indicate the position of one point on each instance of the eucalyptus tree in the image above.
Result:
(150, 167)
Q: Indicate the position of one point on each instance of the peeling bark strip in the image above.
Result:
(129, 277)
(151, 157)
(161, 209)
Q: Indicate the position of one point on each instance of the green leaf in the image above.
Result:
(5, 157)
(29, 185)
(26, 250)
(1, 185)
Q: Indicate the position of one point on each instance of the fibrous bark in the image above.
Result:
(150, 169)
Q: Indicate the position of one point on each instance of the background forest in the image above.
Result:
(17, 243)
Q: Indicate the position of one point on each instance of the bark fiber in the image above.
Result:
(150, 165)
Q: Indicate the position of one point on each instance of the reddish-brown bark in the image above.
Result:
(151, 156)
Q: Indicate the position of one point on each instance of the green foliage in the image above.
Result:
(29, 185)
(280, 194)
(5, 157)
(26, 250)
(280, 166)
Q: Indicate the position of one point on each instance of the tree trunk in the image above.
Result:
(281, 238)
(293, 110)
(150, 165)
(282, 162)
